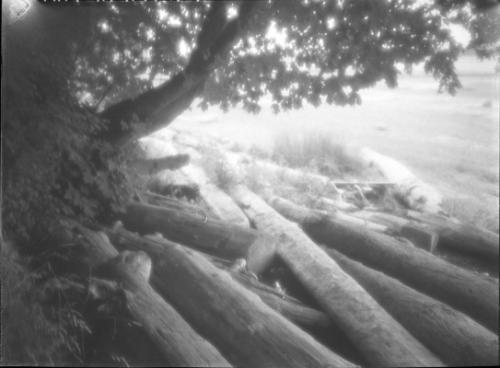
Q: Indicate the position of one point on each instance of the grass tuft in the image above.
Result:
(318, 151)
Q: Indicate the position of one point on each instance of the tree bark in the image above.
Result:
(179, 344)
(194, 229)
(470, 293)
(450, 334)
(160, 106)
(245, 329)
(380, 339)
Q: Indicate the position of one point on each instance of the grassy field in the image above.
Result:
(452, 142)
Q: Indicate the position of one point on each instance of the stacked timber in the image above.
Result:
(246, 330)
(381, 339)
(373, 278)
(174, 338)
(473, 294)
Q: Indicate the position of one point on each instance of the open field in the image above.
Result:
(452, 142)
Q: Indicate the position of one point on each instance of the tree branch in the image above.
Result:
(158, 107)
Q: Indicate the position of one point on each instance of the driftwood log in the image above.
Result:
(238, 322)
(462, 244)
(472, 294)
(179, 344)
(218, 202)
(380, 339)
(413, 192)
(154, 165)
(450, 334)
(196, 230)
(461, 237)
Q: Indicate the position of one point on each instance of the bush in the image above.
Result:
(39, 324)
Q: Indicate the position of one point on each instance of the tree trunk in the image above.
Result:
(179, 344)
(194, 229)
(245, 329)
(450, 334)
(160, 106)
(470, 293)
(380, 339)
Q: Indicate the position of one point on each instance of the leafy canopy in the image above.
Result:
(63, 63)
(294, 51)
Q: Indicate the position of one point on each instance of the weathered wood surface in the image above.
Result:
(179, 344)
(450, 334)
(415, 193)
(193, 229)
(465, 238)
(451, 233)
(380, 339)
(464, 245)
(238, 322)
(217, 201)
(154, 165)
(470, 293)
(289, 307)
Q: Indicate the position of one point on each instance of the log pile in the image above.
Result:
(378, 288)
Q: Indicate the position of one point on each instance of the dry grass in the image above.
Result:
(217, 169)
(319, 152)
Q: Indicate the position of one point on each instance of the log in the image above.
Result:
(193, 229)
(289, 307)
(217, 201)
(464, 238)
(380, 339)
(450, 334)
(239, 323)
(464, 245)
(415, 193)
(470, 293)
(154, 165)
(179, 344)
